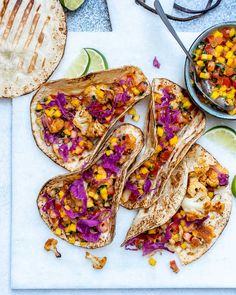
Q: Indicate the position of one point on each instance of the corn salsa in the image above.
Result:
(215, 59)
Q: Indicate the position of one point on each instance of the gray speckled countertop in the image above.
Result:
(93, 15)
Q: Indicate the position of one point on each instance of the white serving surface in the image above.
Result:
(34, 268)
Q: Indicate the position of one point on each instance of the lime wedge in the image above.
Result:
(223, 136)
(72, 4)
(79, 66)
(98, 61)
(233, 186)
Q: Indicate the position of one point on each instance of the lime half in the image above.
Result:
(79, 66)
(72, 4)
(98, 61)
(223, 136)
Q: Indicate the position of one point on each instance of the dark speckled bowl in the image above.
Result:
(187, 75)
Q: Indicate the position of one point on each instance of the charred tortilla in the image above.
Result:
(173, 127)
(32, 42)
(81, 207)
(70, 118)
(198, 210)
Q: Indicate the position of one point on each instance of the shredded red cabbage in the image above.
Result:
(223, 178)
(64, 152)
(96, 110)
(147, 185)
(133, 188)
(156, 63)
(89, 228)
(122, 97)
(149, 247)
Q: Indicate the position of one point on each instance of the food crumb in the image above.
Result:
(174, 266)
(134, 115)
(98, 263)
(51, 245)
(152, 261)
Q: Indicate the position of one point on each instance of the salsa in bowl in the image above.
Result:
(214, 54)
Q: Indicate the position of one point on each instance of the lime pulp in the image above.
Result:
(79, 66)
(98, 61)
(72, 4)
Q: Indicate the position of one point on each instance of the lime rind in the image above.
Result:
(79, 66)
(223, 136)
(233, 186)
(98, 61)
(72, 4)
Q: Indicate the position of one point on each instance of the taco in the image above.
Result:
(174, 125)
(81, 207)
(193, 212)
(71, 117)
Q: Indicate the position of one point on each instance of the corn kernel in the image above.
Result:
(204, 75)
(132, 112)
(61, 194)
(160, 131)
(221, 59)
(215, 94)
(39, 107)
(206, 56)
(67, 132)
(210, 194)
(135, 91)
(158, 149)
(229, 54)
(187, 104)
(104, 193)
(143, 170)
(218, 34)
(219, 48)
(230, 61)
(57, 114)
(182, 222)
(100, 93)
(226, 48)
(113, 140)
(232, 32)
(91, 194)
(109, 152)
(90, 203)
(174, 140)
(71, 240)
(58, 231)
(147, 164)
(152, 261)
(136, 118)
(151, 231)
(183, 245)
(175, 237)
(200, 63)
(229, 44)
(75, 102)
(198, 51)
(49, 112)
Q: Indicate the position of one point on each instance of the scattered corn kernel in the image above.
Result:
(136, 118)
(61, 194)
(109, 152)
(219, 48)
(71, 240)
(187, 104)
(132, 112)
(232, 32)
(215, 94)
(218, 34)
(229, 54)
(90, 203)
(221, 59)
(104, 193)
(152, 261)
(206, 56)
(200, 63)
(158, 149)
(113, 140)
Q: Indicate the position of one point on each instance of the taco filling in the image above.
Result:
(73, 124)
(172, 113)
(193, 225)
(81, 210)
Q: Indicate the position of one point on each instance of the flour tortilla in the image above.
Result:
(171, 200)
(75, 87)
(32, 42)
(186, 138)
(107, 237)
